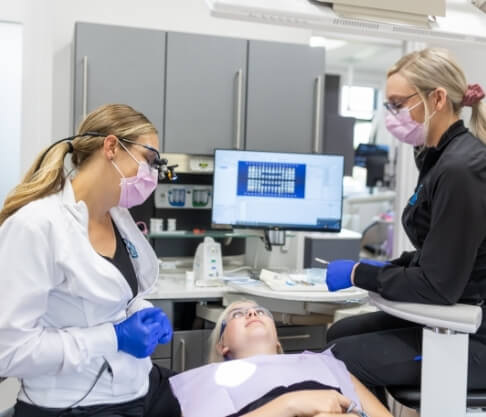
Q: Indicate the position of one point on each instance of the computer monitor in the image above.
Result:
(375, 170)
(273, 190)
(374, 158)
(365, 150)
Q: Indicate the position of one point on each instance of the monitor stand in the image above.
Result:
(273, 237)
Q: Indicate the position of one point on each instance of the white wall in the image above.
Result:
(472, 59)
(36, 74)
(49, 28)
(10, 105)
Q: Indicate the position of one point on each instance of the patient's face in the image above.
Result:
(250, 330)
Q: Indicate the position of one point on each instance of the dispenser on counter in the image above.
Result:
(208, 265)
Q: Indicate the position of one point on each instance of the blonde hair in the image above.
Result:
(215, 337)
(47, 174)
(432, 68)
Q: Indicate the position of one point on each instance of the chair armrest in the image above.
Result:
(462, 318)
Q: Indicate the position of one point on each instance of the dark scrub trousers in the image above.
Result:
(445, 219)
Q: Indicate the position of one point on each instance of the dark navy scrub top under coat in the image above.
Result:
(121, 259)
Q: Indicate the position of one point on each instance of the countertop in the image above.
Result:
(175, 287)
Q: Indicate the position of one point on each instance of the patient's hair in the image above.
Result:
(432, 68)
(214, 355)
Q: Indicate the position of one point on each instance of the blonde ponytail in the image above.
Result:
(47, 174)
(478, 120)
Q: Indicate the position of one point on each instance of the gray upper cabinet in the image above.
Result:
(119, 65)
(285, 97)
(338, 139)
(338, 130)
(206, 90)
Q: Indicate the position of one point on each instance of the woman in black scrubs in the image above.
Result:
(444, 219)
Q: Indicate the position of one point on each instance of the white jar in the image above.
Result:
(171, 225)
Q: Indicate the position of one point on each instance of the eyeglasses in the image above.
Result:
(394, 107)
(240, 312)
(156, 162)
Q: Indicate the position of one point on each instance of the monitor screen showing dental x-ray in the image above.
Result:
(288, 191)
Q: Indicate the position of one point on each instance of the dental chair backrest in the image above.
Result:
(443, 388)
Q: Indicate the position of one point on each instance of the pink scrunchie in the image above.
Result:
(473, 94)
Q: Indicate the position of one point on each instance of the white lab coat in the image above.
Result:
(59, 300)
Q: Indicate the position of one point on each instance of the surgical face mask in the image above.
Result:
(405, 129)
(135, 190)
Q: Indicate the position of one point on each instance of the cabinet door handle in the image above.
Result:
(239, 106)
(318, 114)
(295, 337)
(85, 86)
(182, 343)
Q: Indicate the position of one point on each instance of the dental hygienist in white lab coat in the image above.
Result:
(74, 267)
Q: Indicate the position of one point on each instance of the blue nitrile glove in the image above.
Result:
(374, 262)
(165, 326)
(338, 275)
(139, 334)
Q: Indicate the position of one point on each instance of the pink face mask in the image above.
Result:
(404, 128)
(135, 190)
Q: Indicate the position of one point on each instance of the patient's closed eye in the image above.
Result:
(237, 314)
(261, 312)
(242, 312)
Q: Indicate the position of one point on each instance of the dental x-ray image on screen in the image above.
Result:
(290, 191)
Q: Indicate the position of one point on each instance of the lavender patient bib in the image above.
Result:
(224, 388)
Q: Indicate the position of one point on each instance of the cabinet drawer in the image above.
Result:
(162, 363)
(302, 337)
(189, 349)
(162, 351)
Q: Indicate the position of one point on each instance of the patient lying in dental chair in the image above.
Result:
(248, 378)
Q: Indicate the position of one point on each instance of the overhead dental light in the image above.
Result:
(463, 21)
(412, 12)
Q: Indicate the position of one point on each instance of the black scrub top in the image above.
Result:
(445, 220)
(122, 261)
